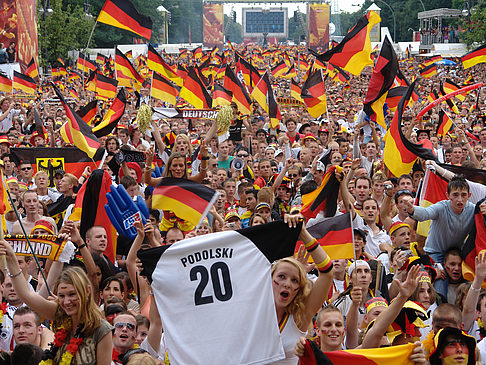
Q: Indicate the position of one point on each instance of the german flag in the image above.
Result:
(90, 82)
(353, 53)
(188, 200)
(126, 72)
(313, 94)
(106, 87)
(445, 123)
(324, 197)
(382, 79)
(295, 90)
(197, 53)
(250, 73)
(375, 356)
(428, 71)
(39, 126)
(221, 96)
(88, 112)
(156, 63)
(450, 87)
(76, 131)
(182, 73)
(74, 75)
(100, 59)
(394, 95)
(4, 201)
(194, 92)
(240, 95)
(112, 116)
(263, 94)
(129, 54)
(475, 243)
(5, 83)
(432, 96)
(450, 103)
(23, 83)
(474, 57)
(73, 93)
(290, 73)
(469, 80)
(122, 14)
(55, 72)
(84, 63)
(61, 61)
(341, 75)
(31, 69)
(335, 235)
(163, 89)
(400, 154)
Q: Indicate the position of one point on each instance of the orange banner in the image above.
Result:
(213, 25)
(318, 26)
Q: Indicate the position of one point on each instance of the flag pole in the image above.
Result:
(86, 48)
(151, 83)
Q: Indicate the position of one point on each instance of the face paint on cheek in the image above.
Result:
(275, 281)
(450, 360)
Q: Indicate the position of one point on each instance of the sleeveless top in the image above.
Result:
(290, 335)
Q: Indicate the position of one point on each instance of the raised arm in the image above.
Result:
(352, 318)
(469, 313)
(147, 170)
(158, 138)
(204, 163)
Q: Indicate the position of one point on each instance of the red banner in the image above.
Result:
(213, 25)
(318, 26)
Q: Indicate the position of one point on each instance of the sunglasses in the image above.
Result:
(242, 156)
(129, 326)
(293, 175)
(26, 168)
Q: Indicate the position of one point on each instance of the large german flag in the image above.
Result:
(163, 89)
(250, 73)
(194, 92)
(240, 95)
(85, 64)
(335, 235)
(221, 96)
(445, 123)
(188, 200)
(88, 112)
(122, 14)
(400, 154)
(126, 72)
(474, 57)
(450, 87)
(295, 90)
(313, 94)
(353, 53)
(112, 116)
(5, 83)
(76, 131)
(263, 94)
(381, 81)
(31, 69)
(106, 87)
(475, 243)
(324, 197)
(394, 95)
(156, 63)
(23, 83)
(428, 71)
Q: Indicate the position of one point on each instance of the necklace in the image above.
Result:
(71, 349)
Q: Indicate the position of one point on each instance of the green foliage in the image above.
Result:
(185, 14)
(62, 30)
(476, 29)
(234, 31)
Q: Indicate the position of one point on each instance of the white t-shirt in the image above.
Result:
(6, 124)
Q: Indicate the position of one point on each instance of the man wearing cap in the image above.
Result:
(400, 234)
(265, 210)
(452, 346)
(232, 221)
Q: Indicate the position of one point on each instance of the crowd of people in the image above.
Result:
(400, 287)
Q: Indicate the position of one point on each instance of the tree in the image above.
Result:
(62, 30)
(474, 26)
(234, 30)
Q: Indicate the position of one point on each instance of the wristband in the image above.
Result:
(14, 276)
(205, 158)
(82, 246)
(325, 266)
(312, 245)
(474, 289)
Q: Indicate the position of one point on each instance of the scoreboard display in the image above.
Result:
(257, 21)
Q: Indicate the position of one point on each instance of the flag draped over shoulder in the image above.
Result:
(400, 154)
(474, 57)
(112, 116)
(76, 131)
(122, 14)
(324, 197)
(335, 236)
(313, 94)
(396, 355)
(187, 199)
(354, 52)
(384, 73)
(475, 243)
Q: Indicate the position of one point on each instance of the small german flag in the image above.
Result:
(122, 14)
(163, 89)
(112, 116)
(445, 123)
(394, 95)
(31, 69)
(24, 83)
(156, 63)
(84, 63)
(474, 57)
(353, 53)
(240, 94)
(88, 112)
(280, 69)
(74, 75)
(73, 93)
(5, 83)
(194, 92)
(450, 87)
(61, 61)
(105, 86)
(264, 95)
(221, 96)
(55, 72)
(313, 94)
(432, 96)
(125, 71)
(100, 59)
(76, 131)
(197, 53)
(295, 90)
(250, 73)
(450, 103)
(428, 71)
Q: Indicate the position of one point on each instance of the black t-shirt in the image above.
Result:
(235, 130)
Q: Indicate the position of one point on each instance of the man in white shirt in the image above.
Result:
(8, 112)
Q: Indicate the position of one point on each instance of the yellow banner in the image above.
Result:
(45, 246)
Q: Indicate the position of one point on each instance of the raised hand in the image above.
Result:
(407, 288)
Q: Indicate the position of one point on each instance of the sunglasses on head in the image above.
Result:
(129, 326)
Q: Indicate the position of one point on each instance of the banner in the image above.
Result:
(318, 26)
(45, 246)
(171, 113)
(213, 25)
(288, 101)
(27, 46)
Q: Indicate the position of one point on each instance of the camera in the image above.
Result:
(388, 186)
(238, 163)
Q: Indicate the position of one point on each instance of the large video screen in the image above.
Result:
(257, 21)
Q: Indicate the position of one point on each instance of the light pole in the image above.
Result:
(394, 20)
(423, 6)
